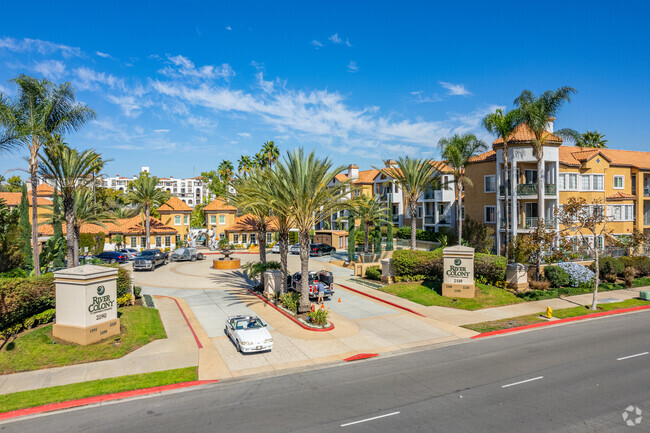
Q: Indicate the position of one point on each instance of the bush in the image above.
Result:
(373, 273)
(123, 280)
(421, 235)
(538, 295)
(319, 316)
(491, 268)
(579, 275)
(409, 263)
(609, 265)
(610, 278)
(290, 301)
(629, 273)
(15, 273)
(540, 285)
(21, 298)
(557, 276)
(125, 300)
(136, 291)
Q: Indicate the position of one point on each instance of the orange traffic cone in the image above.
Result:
(322, 305)
(339, 299)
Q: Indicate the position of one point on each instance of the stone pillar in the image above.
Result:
(387, 272)
(458, 272)
(86, 304)
(272, 283)
(517, 276)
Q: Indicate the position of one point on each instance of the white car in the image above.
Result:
(294, 249)
(276, 248)
(249, 334)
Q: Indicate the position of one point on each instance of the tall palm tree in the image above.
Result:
(593, 139)
(124, 212)
(259, 160)
(414, 176)
(456, 151)
(40, 110)
(87, 211)
(70, 171)
(502, 125)
(143, 191)
(245, 165)
(226, 172)
(303, 185)
(372, 213)
(271, 152)
(536, 112)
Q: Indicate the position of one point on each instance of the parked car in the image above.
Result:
(294, 283)
(130, 253)
(320, 249)
(294, 249)
(276, 248)
(149, 259)
(249, 334)
(183, 254)
(112, 257)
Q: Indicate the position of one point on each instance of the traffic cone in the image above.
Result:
(322, 306)
(339, 299)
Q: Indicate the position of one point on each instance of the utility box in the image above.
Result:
(645, 295)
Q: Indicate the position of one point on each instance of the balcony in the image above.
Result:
(429, 220)
(433, 195)
(524, 189)
(528, 223)
(395, 219)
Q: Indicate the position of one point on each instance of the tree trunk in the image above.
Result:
(147, 229)
(77, 236)
(459, 221)
(365, 247)
(507, 193)
(261, 243)
(305, 303)
(68, 211)
(413, 210)
(33, 172)
(283, 239)
(594, 302)
(540, 207)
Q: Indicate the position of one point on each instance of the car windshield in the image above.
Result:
(181, 251)
(251, 323)
(147, 253)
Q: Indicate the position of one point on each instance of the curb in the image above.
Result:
(212, 253)
(196, 338)
(100, 399)
(360, 356)
(557, 322)
(296, 321)
(392, 304)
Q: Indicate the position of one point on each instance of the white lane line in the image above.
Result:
(369, 419)
(523, 381)
(631, 356)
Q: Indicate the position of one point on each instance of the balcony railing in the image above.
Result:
(529, 223)
(433, 195)
(429, 220)
(531, 189)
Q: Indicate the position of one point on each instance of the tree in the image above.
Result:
(372, 213)
(592, 139)
(10, 251)
(351, 236)
(478, 235)
(414, 176)
(212, 182)
(25, 229)
(143, 192)
(536, 112)
(633, 241)
(225, 171)
(389, 230)
(457, 151)
(40, 110)
(57, 227)
(245, 165)
(588, 223)
(197, 218)
(14, 184)
(305, 187)
(271, 153)
(502, 126)
(87, 211)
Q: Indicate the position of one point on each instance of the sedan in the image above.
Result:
(294, 249)
(320, 249)
(112, 257)
(276, 248)
(130, 253)
(183, 254)
(249, 334)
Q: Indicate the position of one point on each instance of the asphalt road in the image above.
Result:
(572, 378)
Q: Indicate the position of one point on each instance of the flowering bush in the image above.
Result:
(578, 274)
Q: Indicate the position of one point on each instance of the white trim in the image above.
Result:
(494, 184)
(485, 208)
(622, 182)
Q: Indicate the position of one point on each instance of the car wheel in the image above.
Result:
(320, 254)
(165, 262)
(193, 259)
(153, 266)
(112, 261)
(238, 346)
(199, 256)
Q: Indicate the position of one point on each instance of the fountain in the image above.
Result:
(226, 262)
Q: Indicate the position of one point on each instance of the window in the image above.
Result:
(134, 242)
(419, 211)
(357, 193)
(530, 176)
(177, 220)
(569, 181)
(213, 219)
(253, 238)
(585, 182)
(561, 182)
(489, 184)
(186, 220)
(243, 238)
(623, 212)
(619, 182)
(222, 235)
(490, 214)
(235, 238)
(158, 241)
(269, 238)
(168, 241)
(598, 182)
(222, 220)
(143, 242)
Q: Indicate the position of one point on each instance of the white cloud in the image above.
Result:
(182, 66)
(352, 66)
(130, 107)
(88, 79)
(52, 69)
(42, 47)
(336, 39)
(244, 134)
(267, 86)
(419, 97)
(160, 131)
(455, 89)
(228, 28)
(317, 44)
(103, 55)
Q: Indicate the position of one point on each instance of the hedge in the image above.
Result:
(21, 298)
(490, 267)
(373, 273)
(557, 276)
(616, 266)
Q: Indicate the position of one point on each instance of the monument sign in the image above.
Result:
(86, 304)
(458, 272)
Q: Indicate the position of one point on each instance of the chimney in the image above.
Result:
(353, 172)
(391, 163)
(549, 124)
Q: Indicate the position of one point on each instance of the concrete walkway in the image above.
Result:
(178, 350)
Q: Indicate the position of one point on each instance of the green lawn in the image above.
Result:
(38, 349)
(430, 293)
(55, 394)
(563, 313)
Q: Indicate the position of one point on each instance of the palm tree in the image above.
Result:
(259, 160)
(39, 110)
(70, 171)
(502, 125)
(414, 176)
(143, 191)
(87, 211)
(124, 213)
(226, 171)
(302, 184)
(271, 152)
(536, 112)
(593, 139)
(372, 213)
(456, 151)
(245, 165)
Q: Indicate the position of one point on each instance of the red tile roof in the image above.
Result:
(248, 223)
(44, 190)
(621, 196)
(522, 134)
(13, 199)
(174, 204)
(219, 204)
(490, 155)
(365, 176)
(575, 156)
(128, 226)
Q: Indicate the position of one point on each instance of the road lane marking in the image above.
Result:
(523, 381)
(631, 356)
(369, 419)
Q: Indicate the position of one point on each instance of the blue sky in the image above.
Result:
(179, 88)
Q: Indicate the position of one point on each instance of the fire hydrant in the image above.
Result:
(549, 312)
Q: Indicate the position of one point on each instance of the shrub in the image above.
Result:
(609, 265)
(290, 301)
(540, 285)
(538, 295)
(125, 300)
(136, 291)
(557, 276)
(579, 275)
(408, 263)
(21, 298)
(421, 235)
(123, 280)
(319, 316)
(15, 273)
(373, 273)
(629, 273)
(490, 267)
(610, 278)
(643, 266)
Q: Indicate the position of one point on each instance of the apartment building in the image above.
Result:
(218, 216)
(176, 214)
(620, 179)
(362, 183)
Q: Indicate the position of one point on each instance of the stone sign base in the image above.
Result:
(89, 335)
(226, 264)
(458, 290)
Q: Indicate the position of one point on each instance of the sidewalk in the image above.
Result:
(178, 350)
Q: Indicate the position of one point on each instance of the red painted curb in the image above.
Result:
(296, 321)
(556, 322)
(196, 338)
(381, 300)
(99, 399)
(236, 252)
(360, 356)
